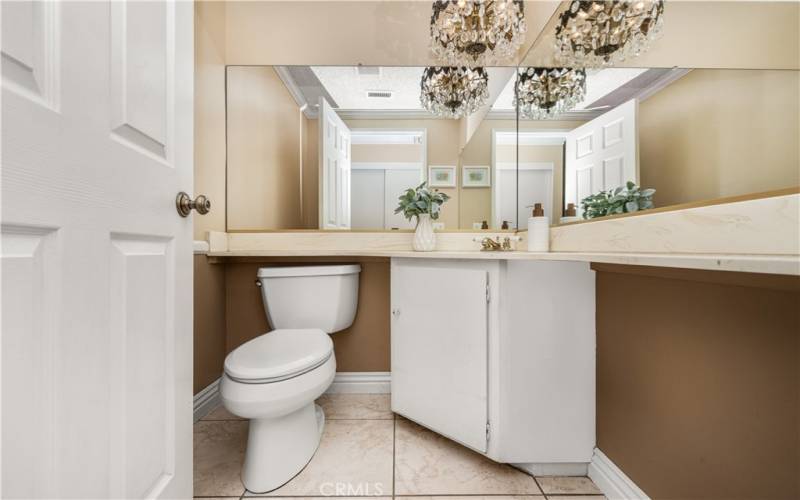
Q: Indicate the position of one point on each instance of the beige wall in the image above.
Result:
(716, 133)
(709, 34)
(310, 174)
(209, 115)
(698, 381)
(408, 153)
(369, 32)
(264, 151)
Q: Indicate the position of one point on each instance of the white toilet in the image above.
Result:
(274, 379)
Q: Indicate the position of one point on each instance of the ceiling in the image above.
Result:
(599, 83)
(348, 89)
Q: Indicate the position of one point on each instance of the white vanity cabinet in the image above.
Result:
(498, 355)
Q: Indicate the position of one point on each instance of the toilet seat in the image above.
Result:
(279, 355)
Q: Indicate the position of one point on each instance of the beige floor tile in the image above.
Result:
(429, 464)
(354, 456)
(576, 497)
(558, 485)
(218, 456)
(476, 497)
(356, 406)
(220, 413)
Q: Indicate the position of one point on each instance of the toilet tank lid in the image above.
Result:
(285, 272)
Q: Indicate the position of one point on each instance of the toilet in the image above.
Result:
(274, 378)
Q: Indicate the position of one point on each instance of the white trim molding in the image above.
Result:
(206, 400)
(200, 247)
(361, 383)
(386, 165)
(386, 136)
(295, 91)
(614, 484)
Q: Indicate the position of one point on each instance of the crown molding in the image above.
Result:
(308, 109)
(387, 114)
(668, 78)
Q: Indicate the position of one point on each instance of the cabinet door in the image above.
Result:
(440, 347)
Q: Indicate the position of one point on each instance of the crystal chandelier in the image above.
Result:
(453, 92)
(543, 93)
(601, 33)
(476, 32)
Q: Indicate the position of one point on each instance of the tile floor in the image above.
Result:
(367, 451)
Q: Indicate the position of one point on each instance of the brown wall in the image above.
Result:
(698, 381)
(718, 133)
(209, 321)
(364, 347)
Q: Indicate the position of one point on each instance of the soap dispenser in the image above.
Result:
(570, 214)
(538, 230)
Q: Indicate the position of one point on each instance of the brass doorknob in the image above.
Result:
(184, 203)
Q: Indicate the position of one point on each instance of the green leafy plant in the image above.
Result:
(421, 200)
(630, 198)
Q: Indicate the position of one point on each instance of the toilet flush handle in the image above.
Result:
(395, 312)
(258, 283)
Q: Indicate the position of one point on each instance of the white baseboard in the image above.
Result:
(206, 400)
(614, 484)
(554, 469)
(343, 383)
(361, 383)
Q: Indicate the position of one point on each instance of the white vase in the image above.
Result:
(424, 237)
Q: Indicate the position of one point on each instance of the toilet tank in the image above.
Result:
(324, 297)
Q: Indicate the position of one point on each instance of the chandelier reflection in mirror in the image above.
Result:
(477, 32)
(453, 92)
(543, 93)
(601, 33)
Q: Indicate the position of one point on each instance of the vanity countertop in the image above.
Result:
(759, 235)
(751, 263)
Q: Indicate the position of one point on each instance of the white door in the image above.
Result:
(439, 346)
(535, 186)
(367, 194)
(96, 269)
(334, 151)
(602, 154)
(517, 187)
(398, 181)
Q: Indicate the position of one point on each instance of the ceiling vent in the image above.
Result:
(379, 94)
(369, 70)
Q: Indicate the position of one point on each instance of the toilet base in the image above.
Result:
(279, 448)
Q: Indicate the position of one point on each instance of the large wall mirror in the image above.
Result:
(333, 147)
(691, 135)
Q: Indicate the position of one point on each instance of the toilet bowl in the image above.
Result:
(274, 378)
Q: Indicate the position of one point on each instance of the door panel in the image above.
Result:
(96, 144)
(30, 46)
(140, 78)
(602, 154)
(29, 346)
(439, 344)
(334, 151)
